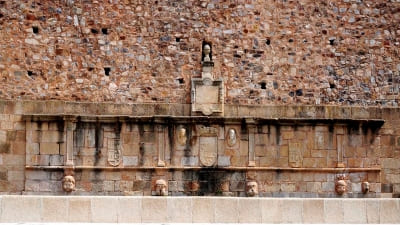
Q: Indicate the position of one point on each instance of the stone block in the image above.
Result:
(179, 210)
(373, 210)
(313, 211)
(226, 210)
(249, 210)
(54, 209)
(224, 161)
(51, 136)
(203, 210)
(129, 209)
(389, 211)
(79, 209)
(333, 209)
(130, 160)
(271, 210)
(354, 211)
(20, 209)
(104, 209)
(154, 209)
(49, 149)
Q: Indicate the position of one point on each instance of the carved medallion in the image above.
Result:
(231, 137)
(114, 152)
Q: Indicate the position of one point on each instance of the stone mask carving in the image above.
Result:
(69, 183)
(161, 187)
(182, 136)
(251, 189)
(231, 137)
(340, 186)
(365, 187)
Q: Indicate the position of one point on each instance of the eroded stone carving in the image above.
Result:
(340, 185)
(161, 188)
(231, 139)
(365, 187)
(182, 136)
(68, 183)
(114, 153)
(252, 188)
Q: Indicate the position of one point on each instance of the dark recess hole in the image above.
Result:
(90, 69)
(291, 94)
(35, 29)
(332, 85)
(177, 39)
(324, 32)
(107, 71)
(268, 42)
(290, 40)
(30, 73)
(299, 92)
(94, 31)
(181, 80)
(1, 15)
(331, 42)
(263, 85)
(104, 30)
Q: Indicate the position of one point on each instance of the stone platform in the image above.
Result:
(91, 209)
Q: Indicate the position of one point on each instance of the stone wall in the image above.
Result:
(301, 154)
(308, 52)
(88, 209)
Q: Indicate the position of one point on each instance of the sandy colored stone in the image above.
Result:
(354, 211)
(154, 209)
(203, 210)
(226, 210)
(54, 209)
(104, 209)
(313, 211)
(20, 209)
(179, 210)
(389, 211)
(333, 209)
(250, 210)
(79, 209)
(129, 209)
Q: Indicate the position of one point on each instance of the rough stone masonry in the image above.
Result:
(342, 52)
(96, 98)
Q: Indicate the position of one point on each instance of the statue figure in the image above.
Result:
(207, 51)
(340, 186)
(161, 188)
(182, 136)
(231, 137)
(68, 183)
(251, 189)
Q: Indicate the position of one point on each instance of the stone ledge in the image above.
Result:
(196, 209)
(164, 109)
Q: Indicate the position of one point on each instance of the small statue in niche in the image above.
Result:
(182, 136)
(68, 183)
(251, 189)
(365, 187)
(231, 137)
(340, 185)
(161, 188)
(207, 53)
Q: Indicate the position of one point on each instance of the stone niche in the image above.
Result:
(122, 155)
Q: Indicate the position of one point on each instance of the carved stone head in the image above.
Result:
(340, 186)
(206, 51)
(252, 188)
(231, 137)
(161, 187)
(68, 183)
(182, 136)
(365, 187)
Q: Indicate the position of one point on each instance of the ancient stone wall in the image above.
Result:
(342, 52)
(125, 149)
